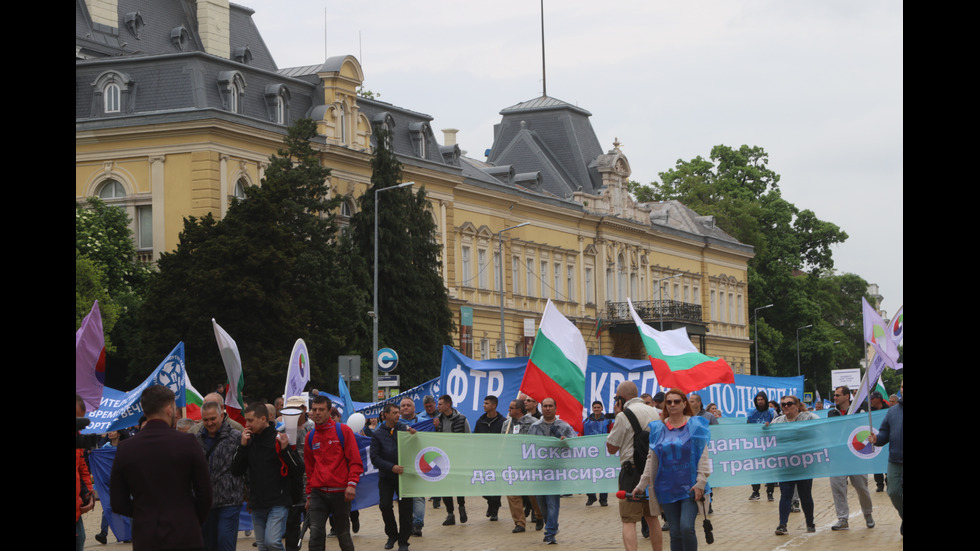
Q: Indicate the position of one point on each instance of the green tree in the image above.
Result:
(414, 319)
(793, 265)
(270, 272)
(108, 269)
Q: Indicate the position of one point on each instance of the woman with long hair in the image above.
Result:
(679, 461)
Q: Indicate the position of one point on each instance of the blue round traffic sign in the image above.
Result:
(387, 360)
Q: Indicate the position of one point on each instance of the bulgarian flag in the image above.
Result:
(676, 361)
(193, 399)
(556, 368)
(233, 368)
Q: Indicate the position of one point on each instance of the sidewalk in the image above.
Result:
(738, 524)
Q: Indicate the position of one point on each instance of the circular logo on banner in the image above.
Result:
(432, 464)
(171, 375)
(858, 443)
(302, 365)
(387, 360)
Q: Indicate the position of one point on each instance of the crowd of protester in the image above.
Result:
(308, 483)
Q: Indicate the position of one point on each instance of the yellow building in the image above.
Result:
(180, 108)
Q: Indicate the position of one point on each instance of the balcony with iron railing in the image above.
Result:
(652, 311)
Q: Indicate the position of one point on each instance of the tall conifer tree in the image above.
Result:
(413, 304)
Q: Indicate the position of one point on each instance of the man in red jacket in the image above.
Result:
(333, 469)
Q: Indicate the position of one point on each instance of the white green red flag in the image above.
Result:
(556, 368)
(677, 362)
(233, 368)
(193, 399)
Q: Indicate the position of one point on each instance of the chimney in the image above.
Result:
(104, 12)
(213, 22)
(449, 135)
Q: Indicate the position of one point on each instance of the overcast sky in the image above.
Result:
(818, 85)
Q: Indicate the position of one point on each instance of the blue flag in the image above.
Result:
(348, 403)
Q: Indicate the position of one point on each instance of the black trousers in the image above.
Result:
(401, 530)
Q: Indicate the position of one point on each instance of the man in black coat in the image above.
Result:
(160, 479)
(491, 422)
(384, 456)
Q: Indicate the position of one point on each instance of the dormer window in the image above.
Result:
(277, 103)
(112, 93)
(110, 96)
(231, 85)
(178, 36)
(243, 55)
(134, 22)
(419, 132)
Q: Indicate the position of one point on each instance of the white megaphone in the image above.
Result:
(290, 417)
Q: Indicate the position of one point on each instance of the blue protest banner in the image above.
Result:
(430, 388)
(838, 446)
(119, 410)
(469, 381)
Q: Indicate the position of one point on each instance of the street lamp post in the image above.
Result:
(374, 313)
(500, 280)
(798, 347)
(755, 317)
(660, 287)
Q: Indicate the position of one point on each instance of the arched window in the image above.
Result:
(112, 189)
(112, 93)
(111, 97)
(240, 186)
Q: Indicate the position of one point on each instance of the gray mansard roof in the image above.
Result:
(156, 53)
(552, 137)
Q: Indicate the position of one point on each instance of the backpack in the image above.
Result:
(641, 440)
(630, 474)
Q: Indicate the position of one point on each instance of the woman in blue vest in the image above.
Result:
(681, 465)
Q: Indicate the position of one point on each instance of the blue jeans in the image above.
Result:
(549, 510)
(681, 516)
(221, 528)
(270, 527)
(418, 511)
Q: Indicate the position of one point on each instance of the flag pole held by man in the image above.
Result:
(677, 362)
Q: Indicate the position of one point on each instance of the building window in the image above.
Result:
(482, 261)
(112, 189)
(570, 283)
(466, 266)
(558, 293)
(543, 274)
(231, 85)
(530, 277)
(515, 279)
(112, 93)
(144, 215)
(277, 103)
(589, 295)
(342, 122)
(497, 273)
(240, 186)
(111, 97)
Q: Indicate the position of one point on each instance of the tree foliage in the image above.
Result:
(414, 316)
(793, 266)
(270, 272)
(107, 269)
